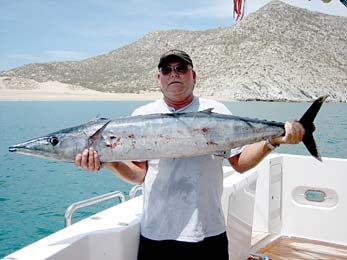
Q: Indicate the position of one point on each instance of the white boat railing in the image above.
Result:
(88, 202)
(134, 190)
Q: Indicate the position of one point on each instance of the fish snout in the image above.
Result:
(15, 148)
(12, 149)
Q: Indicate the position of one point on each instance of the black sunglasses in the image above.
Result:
(180, 69)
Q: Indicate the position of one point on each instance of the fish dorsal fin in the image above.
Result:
(98, 118)
(95, 136)
(207, 110)
(225, 154)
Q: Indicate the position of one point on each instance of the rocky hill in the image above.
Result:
(280, 52)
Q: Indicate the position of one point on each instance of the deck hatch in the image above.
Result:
(315, 195)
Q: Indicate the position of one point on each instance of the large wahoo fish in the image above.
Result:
(163, 136)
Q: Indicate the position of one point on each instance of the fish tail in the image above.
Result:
(307, 122)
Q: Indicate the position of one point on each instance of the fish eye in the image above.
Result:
(53, 140)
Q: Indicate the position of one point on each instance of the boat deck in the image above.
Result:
(294, 248)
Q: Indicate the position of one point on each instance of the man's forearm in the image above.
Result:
(250, 156)
(133, 172)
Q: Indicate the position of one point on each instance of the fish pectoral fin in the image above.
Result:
(95, 136)
(208, 110)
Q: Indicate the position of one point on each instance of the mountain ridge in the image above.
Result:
(280, 52)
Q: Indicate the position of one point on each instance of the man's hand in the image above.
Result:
(88, 160)
(294, 133)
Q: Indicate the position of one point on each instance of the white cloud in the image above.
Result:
(48, 56)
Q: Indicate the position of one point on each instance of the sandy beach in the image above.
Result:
(20, 90)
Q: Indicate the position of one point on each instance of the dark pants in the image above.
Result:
(216, 247)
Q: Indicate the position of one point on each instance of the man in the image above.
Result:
(182, 214)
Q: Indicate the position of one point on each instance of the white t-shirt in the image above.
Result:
(182, 196)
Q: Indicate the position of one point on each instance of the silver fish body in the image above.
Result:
(158, 136)
(179, 135)
(152, 137)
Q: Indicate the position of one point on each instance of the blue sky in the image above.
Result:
(35, 31)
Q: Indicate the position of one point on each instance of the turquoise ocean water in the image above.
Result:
(34, 193)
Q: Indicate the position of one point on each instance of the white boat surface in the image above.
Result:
(288, 207)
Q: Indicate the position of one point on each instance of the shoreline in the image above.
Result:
(64, 94)
(18, 89)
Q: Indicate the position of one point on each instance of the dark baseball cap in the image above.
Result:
(174, 53)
